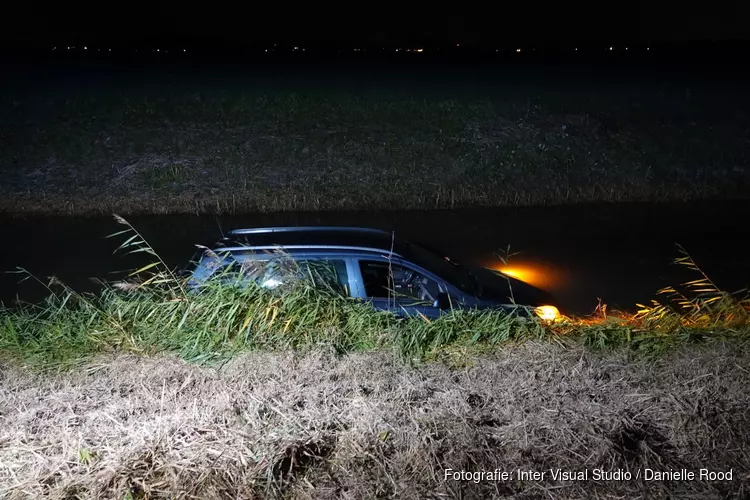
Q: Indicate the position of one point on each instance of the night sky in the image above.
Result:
(376, 23)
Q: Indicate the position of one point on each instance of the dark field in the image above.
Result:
(97, 142)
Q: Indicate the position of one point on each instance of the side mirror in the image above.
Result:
(442, 301)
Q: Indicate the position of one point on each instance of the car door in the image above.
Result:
(399, 287)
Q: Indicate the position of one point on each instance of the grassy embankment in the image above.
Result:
(214, 151)
(299, 395)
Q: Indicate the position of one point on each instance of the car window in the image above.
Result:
(387, 280)
(453, 273)
(331, 272)
(233, 270)
(273, 272)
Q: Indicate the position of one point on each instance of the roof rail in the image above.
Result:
(292, 229)
(381, 251)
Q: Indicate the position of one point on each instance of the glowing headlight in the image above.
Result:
(547, 313)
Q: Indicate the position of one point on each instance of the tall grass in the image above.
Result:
(699, 303)
(154, 310)
(697, 310)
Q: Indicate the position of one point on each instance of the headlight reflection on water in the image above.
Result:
(534, 274)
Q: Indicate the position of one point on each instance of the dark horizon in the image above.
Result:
(690, 55)
(506, 25)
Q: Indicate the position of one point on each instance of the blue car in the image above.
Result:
(369, 264)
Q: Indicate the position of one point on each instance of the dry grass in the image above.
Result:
(365, 426)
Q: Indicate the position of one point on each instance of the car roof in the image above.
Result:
(307, 229)
(314, 238)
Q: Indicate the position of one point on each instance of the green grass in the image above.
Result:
(156, 313)
(222, 321)
(231, 151)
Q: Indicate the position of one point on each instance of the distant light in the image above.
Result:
(518, 50)
(85, 48)
(184, 50)
(157, 50)
(626, 48)
(110, 50)
(420, 50)
(266, 50)
(610, 48)
(54, 48)
(458, 45)
(576, 49)
(648, 48)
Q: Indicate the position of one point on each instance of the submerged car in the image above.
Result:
(369, 264)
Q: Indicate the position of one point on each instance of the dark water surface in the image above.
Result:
(619, 253)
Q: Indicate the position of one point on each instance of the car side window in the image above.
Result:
(330, 272)
(271, 273)
(386, 280)
(232, 271)
(322, 272)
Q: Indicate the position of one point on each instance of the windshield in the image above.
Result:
(450, 271)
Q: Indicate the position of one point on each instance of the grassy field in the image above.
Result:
(206, 150)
